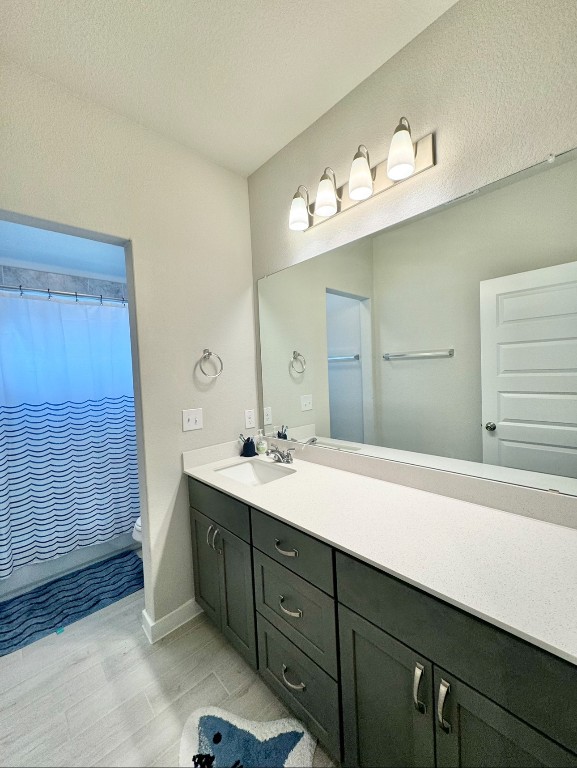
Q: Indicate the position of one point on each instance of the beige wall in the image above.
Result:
(68, 161)
(292, 315)
(494, 79)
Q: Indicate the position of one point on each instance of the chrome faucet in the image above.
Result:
(311, 440)
(282, 457)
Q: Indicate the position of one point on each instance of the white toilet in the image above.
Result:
(137, 530)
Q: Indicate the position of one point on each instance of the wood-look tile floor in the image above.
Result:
(100, 694)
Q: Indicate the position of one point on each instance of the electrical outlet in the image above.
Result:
(192, 419)
(306, 402)
(267, 416)
(249, 421)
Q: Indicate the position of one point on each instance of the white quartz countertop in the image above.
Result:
(515, 572)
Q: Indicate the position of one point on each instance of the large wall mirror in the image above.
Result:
(449, 341)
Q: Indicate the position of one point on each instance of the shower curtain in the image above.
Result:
(68, 471)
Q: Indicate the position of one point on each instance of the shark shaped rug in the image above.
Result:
(213, 738)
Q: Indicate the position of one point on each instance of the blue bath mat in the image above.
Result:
(52, 606)
(213, 738)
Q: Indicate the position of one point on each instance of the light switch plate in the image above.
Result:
(192, 419)
(267, 414)
(306, 402)
(249, 421)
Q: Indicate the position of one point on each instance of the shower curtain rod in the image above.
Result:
(72, 294)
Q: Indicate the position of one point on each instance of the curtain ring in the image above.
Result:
(301, 362)
(206, 355)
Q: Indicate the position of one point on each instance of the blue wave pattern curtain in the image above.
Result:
(68, 471)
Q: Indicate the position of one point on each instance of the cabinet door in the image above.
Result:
(473, 731)
(205, 565)
(236, 593)
(381, 681)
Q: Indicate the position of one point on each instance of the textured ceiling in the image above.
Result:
(235, 80)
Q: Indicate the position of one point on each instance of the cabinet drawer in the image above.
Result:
(223, 509)
(301, 684)
(534, 685)
(302, 554)
(300, 611)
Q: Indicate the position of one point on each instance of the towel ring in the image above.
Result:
(206, 355)
(301, 362)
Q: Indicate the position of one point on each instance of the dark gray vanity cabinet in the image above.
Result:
(296, 623)
(222, 564)
(381, 672)
(393, 661)
(387, 694)
(476, 733)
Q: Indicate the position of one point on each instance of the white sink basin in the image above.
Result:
(255, 472)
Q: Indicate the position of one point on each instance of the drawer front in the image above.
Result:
(534, 685)
(300, 611)
(302, 554)
(301, 684)
(224, 510)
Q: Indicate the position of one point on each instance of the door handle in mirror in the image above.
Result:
(490, 426)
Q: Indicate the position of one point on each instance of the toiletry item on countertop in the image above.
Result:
(260, 442)
(281, 434)
(248, 447)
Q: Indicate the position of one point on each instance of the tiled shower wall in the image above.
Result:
(33, 278)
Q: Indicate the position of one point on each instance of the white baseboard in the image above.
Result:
(156, 630)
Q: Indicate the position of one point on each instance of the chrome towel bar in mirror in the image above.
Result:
(419, 355)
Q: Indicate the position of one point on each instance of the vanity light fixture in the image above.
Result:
(300, 213)
(405, 159)
(327, 202)
(401, 160)
(361, 176)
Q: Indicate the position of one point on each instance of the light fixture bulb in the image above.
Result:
(326, 201)
(361, 178)
(401, 160)
(299, 213)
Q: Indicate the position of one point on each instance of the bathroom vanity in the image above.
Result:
(404, 628)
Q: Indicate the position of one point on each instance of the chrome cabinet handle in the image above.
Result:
(420, 706)
(298, 614)
(209, 529)
(214, 535)
(285, 552)
(299, 687)
(444, 689)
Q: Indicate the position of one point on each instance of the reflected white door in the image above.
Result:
(529, 370)
(345, 369)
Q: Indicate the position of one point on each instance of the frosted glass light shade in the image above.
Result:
(299, 214)
(360, 178)
(326, 201)
(401, 160)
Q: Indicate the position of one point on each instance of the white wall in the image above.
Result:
(69, 161)
(494, 79)
(292, 314)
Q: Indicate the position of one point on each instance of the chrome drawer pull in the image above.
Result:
(444, 689)
(298, 614)
(299, 687)
(214, 535)
(420, 706)
(285, 552)
(208, 535)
